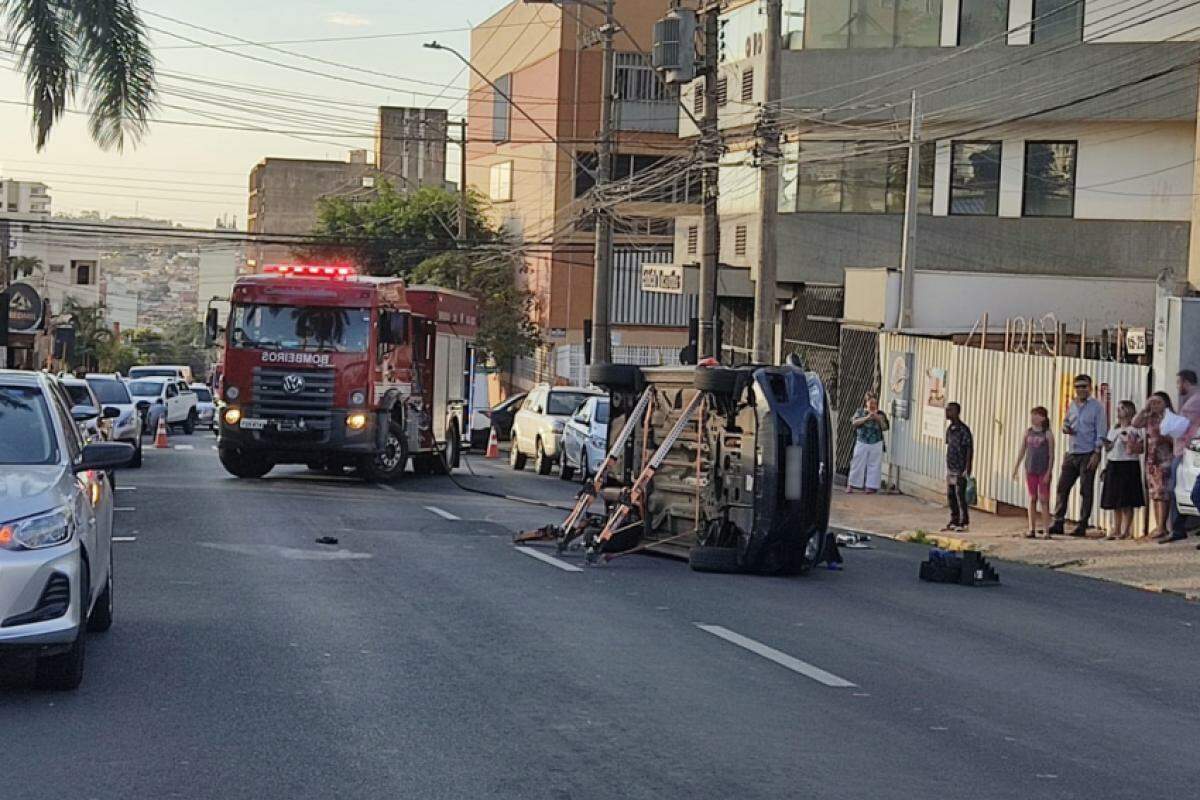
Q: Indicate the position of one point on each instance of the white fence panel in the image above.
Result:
(917, 457)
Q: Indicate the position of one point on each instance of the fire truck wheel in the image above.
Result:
(243, 465)
(541, 462)
(717, 380)
(713, 559)
(449, 458)
(390, 464)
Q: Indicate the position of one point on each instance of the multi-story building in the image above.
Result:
(59, 265)
(547, 59)
(410, 152)
(1057, 138)
(24, 197)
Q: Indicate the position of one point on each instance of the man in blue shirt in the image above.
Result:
(1087, 424)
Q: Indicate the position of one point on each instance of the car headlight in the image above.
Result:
(231, 393)
(34, 533)
(358, 398)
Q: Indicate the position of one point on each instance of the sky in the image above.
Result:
(194, 174)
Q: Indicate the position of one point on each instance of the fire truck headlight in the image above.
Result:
(233, 416)
(356, 421)
(357, 399)
(232, 393)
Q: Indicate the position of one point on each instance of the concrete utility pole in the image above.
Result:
(710, 225)
(602, 274)
(768, 195)
(4, 281)
(908, 248)
(462, 182)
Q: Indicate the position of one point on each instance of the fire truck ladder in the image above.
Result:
(635, 497)
(576, 522)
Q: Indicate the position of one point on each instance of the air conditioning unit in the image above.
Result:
(675, 46)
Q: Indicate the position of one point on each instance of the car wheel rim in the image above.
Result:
(812, 550)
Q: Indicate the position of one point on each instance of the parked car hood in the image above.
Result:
(26, 490)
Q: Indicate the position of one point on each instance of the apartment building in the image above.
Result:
(1057, 140)
(548, 60)
(410, 152)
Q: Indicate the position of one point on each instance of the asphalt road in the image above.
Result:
(425, 657)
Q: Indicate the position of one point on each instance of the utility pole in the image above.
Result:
(4, 281)
(710, 225)
(908, 248)
(462, 182)
(602, 273)
(768, 195)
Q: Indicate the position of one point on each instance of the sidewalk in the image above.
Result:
(1171, 568)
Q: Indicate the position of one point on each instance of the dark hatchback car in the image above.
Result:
(502, 416)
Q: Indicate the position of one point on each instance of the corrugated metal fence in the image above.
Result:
(996, 391)
(631, 306)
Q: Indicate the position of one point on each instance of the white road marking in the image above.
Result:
(441, 513)
(126, 488)
(124, 538)
(125, 508)
(782, 659)
(551, 560)
(185, 447)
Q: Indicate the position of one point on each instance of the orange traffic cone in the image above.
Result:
(160, 438)
(493, 448)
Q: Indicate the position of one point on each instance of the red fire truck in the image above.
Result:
(335, 370)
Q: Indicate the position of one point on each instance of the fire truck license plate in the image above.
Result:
(253, 424)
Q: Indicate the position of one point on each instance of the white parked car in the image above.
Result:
(95, 428)
(179, 372)
(126, 427)
(585, 440)
(56, 520)
(206, 410)
(1185, 481)
(167, 398)
(538, 427)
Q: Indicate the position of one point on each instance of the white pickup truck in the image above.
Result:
(168, 398)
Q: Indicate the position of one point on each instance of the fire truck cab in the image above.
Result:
(335, 370)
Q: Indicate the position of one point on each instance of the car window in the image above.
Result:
(26, 432)
(172, 390)
(533, 403)
(601, 412)
(584, 414)
(72, 438)
(203, 395)
(110, 392)
(79, 394)
(563, 404)
(145, 388)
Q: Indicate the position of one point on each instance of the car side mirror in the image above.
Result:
(111, 412)
(84, 413)
(212, 327)
(103, 456)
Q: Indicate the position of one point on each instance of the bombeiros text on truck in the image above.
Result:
(335, 370)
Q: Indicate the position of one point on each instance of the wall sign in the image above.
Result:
(662, 278)
(933, 415)
(1135, 341)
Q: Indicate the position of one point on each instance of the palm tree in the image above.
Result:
(100, 45)
(93, 336)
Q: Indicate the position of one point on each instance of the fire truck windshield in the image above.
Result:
(316, 328)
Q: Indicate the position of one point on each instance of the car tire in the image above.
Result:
(516, 459)
(189, 424)
(716, 380)
(541, 462)
(389, 465)
(565, 471)
(713, 559)
(243, 465)
(101, 618)
(618, 377)
(63, 672)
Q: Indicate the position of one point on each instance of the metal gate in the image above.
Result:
(858, 373)
(812, 330)
(736, 318)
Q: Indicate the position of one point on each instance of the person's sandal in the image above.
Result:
(1031, 535)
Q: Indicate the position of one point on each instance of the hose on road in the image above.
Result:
(441, 451)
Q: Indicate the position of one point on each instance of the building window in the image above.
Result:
(855, 24)
(693, 240)
(635, 79)
(861, 177)
(980, 21)
(1058, 21)
(739, 240)
(698, 100)
(500, 183)
(975, 178)
(748, 85)
(682, 186)
(502, 109)
(85, 272)
(722, 91)
(1049, 179)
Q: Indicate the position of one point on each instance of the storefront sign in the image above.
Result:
(24, 308)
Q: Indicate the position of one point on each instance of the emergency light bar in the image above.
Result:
(310, 271)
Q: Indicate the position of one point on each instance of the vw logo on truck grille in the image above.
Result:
(293, 384)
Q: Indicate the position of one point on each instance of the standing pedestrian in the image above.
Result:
(1122, 492)
(1160, 450)
(960, 461)
(1037, 451)
(866, 466)
(1189, 409)
(1086, 423)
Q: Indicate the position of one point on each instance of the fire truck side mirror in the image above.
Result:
(211, 328)
(393, 327)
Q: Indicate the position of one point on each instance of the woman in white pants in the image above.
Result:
(866, 466)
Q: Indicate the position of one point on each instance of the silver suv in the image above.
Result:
(56, 517)
(112, 392)
(538, 427)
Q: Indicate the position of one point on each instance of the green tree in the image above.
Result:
(100, 45)
(23, 267)
(411, 236)
(93, 336)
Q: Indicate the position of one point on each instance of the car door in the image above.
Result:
(575, 433)
(526, 422)
(597, 442)
(172, 401)
(93, 511)
(187, 400)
